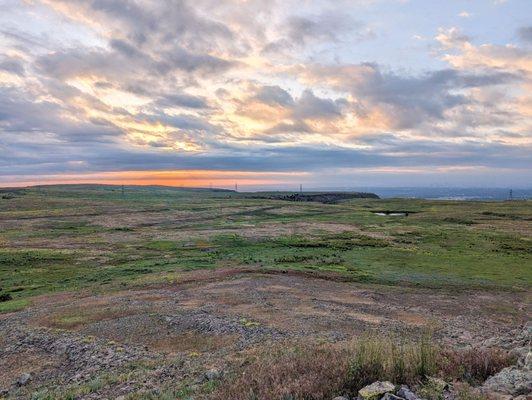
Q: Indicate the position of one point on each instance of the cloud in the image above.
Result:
(23, 117)
(324, 27)
(12, 65)
(309, 106)
(399, 101)
(299, 127)
(274, 95)
(181, 100)
(525, 34)
(330, 27)
(252, 86)
(451, 37)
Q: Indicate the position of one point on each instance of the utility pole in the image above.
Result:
(511, 195)
(236, 187)
(122, 190)
(300, 188)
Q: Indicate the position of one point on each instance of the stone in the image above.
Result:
(522, 356)
(510, 380)
(405, 392)
(390, 396)
(212, 375)
(528, 360)
(23, 379)
(376, 390)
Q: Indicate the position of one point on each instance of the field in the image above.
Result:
(137, 292)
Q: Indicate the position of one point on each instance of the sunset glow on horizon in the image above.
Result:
(323, 93)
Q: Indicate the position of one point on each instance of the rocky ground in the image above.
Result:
(185, 334)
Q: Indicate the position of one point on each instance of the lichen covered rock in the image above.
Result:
(376, 390)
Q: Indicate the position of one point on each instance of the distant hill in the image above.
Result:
(327, 197)
(93, 186)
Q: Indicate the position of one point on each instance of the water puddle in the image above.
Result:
(391, 213)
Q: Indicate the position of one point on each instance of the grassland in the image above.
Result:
(137, 293)
(96, 238)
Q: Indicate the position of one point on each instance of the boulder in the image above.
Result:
(376, 390)
(511, 380)
(212, 375)
(405, 392)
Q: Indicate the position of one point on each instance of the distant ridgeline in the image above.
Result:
(327, 198)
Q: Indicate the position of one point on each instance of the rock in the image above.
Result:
(212, 375)
(405, 392)
(510, 380)
(376, 390)
(341, 398)
(528, 360)
(4, 392)
(23, 379)
(389, 396)
(522, 356)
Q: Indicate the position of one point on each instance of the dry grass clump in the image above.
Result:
(473, 365)
(386, 359)
(302, 372)
(317, 372)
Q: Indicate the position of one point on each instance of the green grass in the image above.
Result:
(94, 238)
(13, 305)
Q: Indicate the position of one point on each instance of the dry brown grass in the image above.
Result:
(302, 372)
(319, 372)
(473, 365)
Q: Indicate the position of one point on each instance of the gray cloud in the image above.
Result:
(181, 100)
(274, 95)
(22, 116)
(330, 27)
(298, 127)
(311, 106)
(408, 100)
(182, 121)
(109, 157)
(13, 66)
(525, 34)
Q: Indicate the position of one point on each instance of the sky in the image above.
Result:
(266, 93)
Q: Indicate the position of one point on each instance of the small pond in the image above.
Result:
(392, 213)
